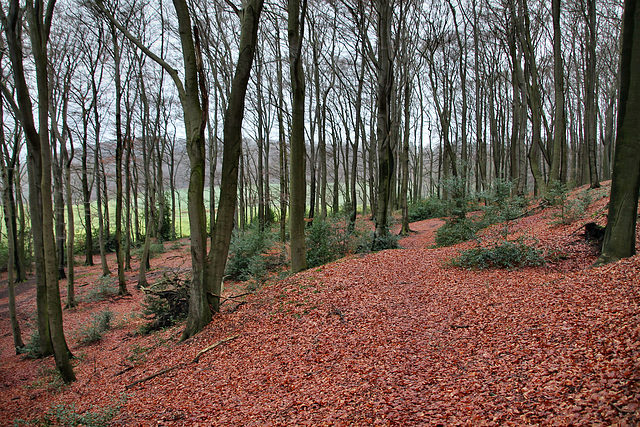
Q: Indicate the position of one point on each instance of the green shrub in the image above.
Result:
(458, 200)
(501, 206)
(321, 243)
(166, 302)
(388, 241)
(105, 288)
(100, 323)
(454, 231)
(67, 415)
(556, 193)
(508, 255)
(31, 349)
(575, 209)
(329, 239)
(156, 249)
(431, 207)
(247, 254)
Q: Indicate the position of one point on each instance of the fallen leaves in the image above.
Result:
(392, 338)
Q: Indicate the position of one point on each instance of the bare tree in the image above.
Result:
(39, 17)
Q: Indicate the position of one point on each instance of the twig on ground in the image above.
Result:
(212, 346)
(180, 365)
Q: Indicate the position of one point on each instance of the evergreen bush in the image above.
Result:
(100, 323)
(454, 231)
(431, 207)
(507, 255)
(247, 254)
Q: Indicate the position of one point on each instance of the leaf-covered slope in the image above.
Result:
(393, 338)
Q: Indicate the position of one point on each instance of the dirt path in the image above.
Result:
(392, 338)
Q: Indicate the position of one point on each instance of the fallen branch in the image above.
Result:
(127, 369)
(229, 298)
(212, 346)
(180, 365)
(157, 374)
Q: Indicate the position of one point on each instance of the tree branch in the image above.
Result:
(173, 73)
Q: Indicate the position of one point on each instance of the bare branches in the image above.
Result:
(173, 73)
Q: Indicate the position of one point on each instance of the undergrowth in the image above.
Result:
(248, 254)
(105, 287)
(431, 207)
(94, 331)
(166, 302)
(510, 255)
(571, 210)
(68, 415)
(329, 239)
(456, 230)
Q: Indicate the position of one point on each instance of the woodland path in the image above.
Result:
(391, 338)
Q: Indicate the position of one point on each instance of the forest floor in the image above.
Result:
(396, 337)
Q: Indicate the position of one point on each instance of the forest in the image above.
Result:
(197, 161)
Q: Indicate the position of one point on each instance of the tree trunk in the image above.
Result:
(86, 191)
(101, 232)
(58, 196)
(559, 128)
(620, 235)
(10, 222)
(590, 96)
(232, 151)
(383, 130)
(122, 283)
(68, 158)
(298, 175)
(39, 25)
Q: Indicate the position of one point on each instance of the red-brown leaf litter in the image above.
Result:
(391, 338)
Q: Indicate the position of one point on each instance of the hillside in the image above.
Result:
(390, 338)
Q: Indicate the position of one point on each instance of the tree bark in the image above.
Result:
(620, 235)
(122, 283)
(232, 151)
(383, 129)
(7, 170)
(298, 167)
(591, 113)
(559, 128)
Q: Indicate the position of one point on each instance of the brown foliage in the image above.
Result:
(392, 338)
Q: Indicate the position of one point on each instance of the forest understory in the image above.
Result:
(397, 337)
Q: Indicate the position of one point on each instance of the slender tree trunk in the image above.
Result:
(298, 175)
(559, 128)
(122, 283)
(10, 222)
(383, 130)
(591, 113)
(86, 189)
(101, 232)
(39, 25)
(58, 196)
(232, 151)
(13, 30)
(404, 205)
